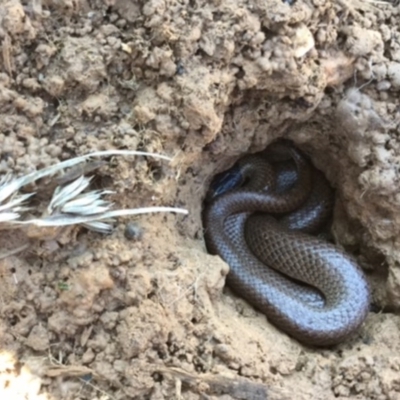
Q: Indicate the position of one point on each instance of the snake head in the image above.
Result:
(224, 182)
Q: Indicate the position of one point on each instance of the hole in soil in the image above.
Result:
(13, 320)
(157, 377)
(269, 218)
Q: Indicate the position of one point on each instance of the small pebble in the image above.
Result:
(133, 231)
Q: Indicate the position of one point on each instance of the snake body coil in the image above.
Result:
(306, 286)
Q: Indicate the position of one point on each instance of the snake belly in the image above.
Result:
(306, 286)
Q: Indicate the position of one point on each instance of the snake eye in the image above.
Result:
(225, 181)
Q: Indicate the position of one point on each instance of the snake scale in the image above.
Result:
(259, 218)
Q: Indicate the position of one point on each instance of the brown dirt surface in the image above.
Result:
(106, 317)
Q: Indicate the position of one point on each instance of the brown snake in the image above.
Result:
(306, 286)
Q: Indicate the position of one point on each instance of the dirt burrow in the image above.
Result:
(111, 317)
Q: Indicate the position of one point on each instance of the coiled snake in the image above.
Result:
(259, 221)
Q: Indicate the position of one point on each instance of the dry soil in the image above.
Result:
(89, 316)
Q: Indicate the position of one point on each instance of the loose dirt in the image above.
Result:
(89, 316)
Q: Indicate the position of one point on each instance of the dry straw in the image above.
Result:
(70, 204)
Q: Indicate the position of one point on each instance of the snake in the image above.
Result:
(263, 217)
